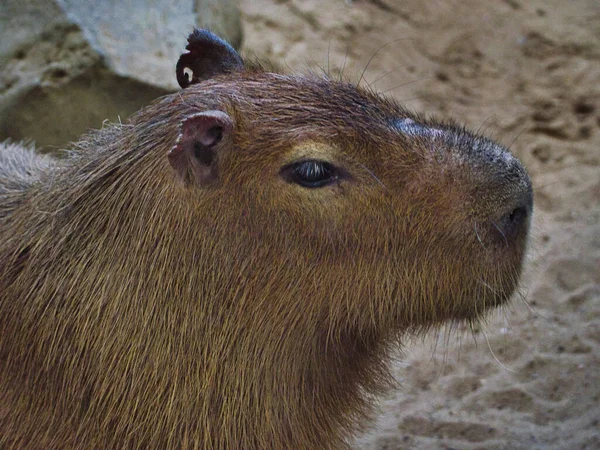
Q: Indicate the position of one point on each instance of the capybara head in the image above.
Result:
(230, 268)
(387, 220)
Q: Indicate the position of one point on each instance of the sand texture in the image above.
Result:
(526, 73)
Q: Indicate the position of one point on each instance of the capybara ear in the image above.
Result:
(208, 55)
(194, 153)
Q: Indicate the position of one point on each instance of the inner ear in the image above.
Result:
(194, 152)
(212, 136)
(208, 55)
(205, 155)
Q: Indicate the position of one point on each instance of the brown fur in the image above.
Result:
(138, 312)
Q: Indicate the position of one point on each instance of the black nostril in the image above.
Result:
(512, 223)
(515, 221)
(516, 217)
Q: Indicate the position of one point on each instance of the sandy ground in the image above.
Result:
(528, 74)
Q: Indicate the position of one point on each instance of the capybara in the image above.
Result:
(231, 268)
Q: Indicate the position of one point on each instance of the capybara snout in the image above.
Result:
(492, 190)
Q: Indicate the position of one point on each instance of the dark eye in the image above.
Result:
(311, 173)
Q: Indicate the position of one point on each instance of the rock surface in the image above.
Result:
(68, 65)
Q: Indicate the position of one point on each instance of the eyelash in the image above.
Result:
(311, 173)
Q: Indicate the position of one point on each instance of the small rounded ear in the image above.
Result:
(208, 55)
(193, 155)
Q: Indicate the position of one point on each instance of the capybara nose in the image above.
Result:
(513, 218)
(516, 220)
(501, 188)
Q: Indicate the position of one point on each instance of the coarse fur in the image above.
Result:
(20, 167)
(139, 311)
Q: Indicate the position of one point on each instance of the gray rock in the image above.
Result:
(221, 17)
(68, 65)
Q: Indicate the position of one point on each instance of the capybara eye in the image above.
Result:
(311, 173)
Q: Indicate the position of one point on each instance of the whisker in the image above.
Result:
(484, 122)
(494, 355)
(493, 133)
(328, 58)
(477, 234)
(528, 304)
(501, 232)
(483, 283)
(375, 54)
(344, 63)
(418, 97)
(546, 185)
(516, 137)
(406, 84)
(473, 327)
(373, 175)
(381, 77)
